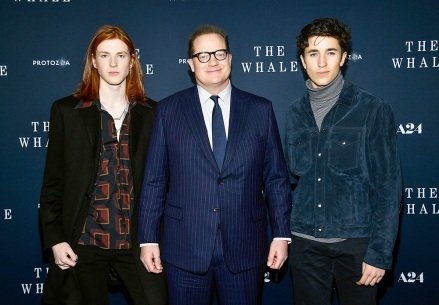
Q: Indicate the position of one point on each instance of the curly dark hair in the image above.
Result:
(324, 27)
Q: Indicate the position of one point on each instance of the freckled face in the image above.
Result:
(322, 60)
(113, 62)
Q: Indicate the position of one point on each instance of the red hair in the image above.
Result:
(89, 86)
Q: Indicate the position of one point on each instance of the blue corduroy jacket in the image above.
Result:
(346, 175)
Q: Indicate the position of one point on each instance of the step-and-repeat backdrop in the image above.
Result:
(395, 55)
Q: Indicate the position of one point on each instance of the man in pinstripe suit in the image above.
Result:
(214, 185)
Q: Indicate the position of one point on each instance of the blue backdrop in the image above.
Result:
(395, 55)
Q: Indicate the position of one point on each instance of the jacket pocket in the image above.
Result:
(299, 152)
(344, 149)
(173, 212)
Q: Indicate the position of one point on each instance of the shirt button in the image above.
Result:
(319, 205)
(220, 181)
(216, 209)
(320, 230)
(343, 143)
(319, 154)
(319, 179)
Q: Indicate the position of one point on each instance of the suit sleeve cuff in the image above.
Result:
(148, 244)
(288, 239)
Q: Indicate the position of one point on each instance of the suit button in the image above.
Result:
(221, 181)
(88, 196)
(216, 209)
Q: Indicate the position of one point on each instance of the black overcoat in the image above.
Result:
(69, 177)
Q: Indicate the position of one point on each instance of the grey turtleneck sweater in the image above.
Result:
(323, 98)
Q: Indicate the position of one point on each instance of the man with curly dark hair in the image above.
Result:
(344, 169)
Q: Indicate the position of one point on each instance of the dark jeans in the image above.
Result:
(317, 266)
(93, 270)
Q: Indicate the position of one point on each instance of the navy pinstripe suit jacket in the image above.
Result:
(183, 184)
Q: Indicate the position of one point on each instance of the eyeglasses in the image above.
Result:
(205, 56)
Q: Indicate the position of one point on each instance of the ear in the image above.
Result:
(191, 64)
(343, 58)
(93, 60)
(303, 61)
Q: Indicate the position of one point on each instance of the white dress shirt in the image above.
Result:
(207, 107)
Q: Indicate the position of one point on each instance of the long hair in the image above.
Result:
(89, 87)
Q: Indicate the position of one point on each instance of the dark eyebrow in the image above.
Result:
(315, 50)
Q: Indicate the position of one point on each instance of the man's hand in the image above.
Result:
(278, 254)
(64, 256)
(371, 275)
(150, 257)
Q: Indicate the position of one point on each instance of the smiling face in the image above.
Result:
(322, 59)
(214, 74)
(112, 61)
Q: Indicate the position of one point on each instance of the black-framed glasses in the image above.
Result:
(205, 56)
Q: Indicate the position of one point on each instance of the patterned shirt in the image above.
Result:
(108, 222)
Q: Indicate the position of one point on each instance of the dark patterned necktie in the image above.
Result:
(219, 140)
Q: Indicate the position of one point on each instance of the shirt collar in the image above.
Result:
(224, 95)
(87, 104)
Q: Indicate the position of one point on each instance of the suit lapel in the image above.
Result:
(135, 129)
(92, 123)
(237, 122)
(195, 120)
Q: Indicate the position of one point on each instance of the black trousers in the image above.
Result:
(93, 269)
(317, 266)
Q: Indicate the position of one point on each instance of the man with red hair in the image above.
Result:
(98, 139)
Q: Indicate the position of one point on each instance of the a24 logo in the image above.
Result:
(411, 277)
(409, 128)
